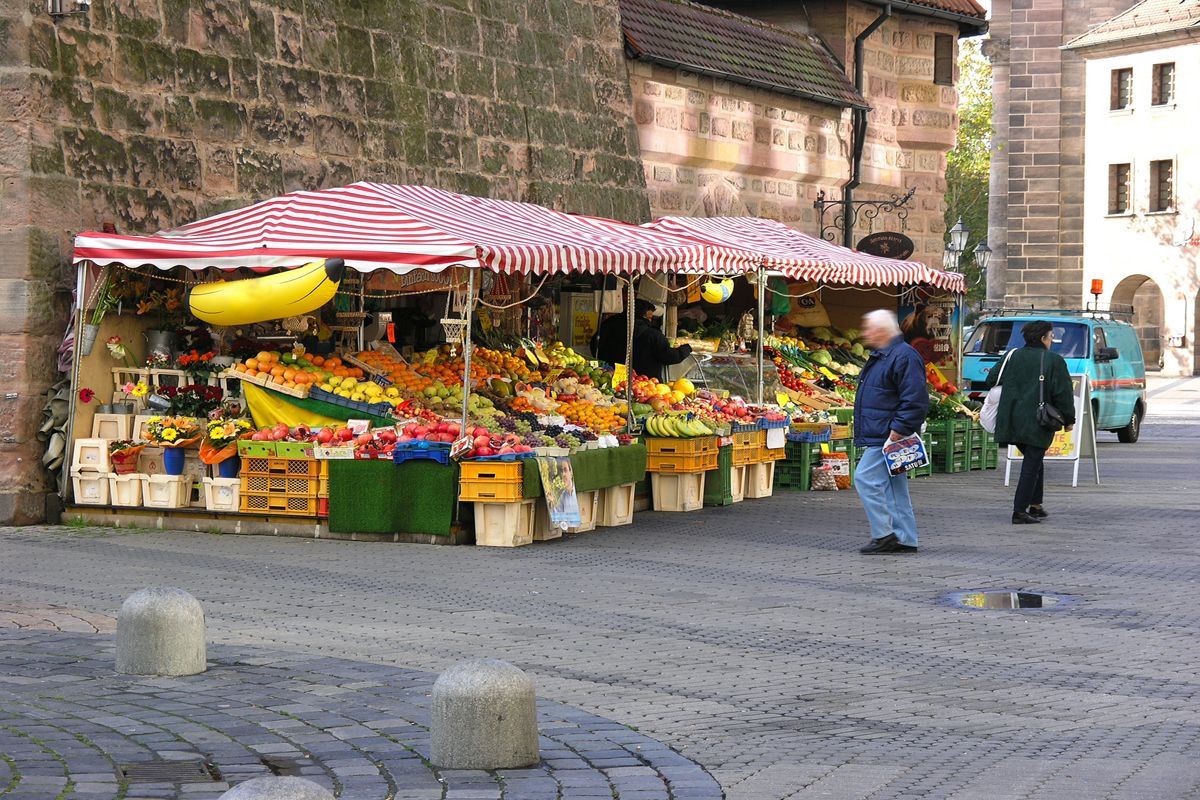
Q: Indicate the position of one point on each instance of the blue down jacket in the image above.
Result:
(891, 395)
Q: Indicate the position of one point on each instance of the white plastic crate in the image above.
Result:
(504, 524)
(90, 455)
(222, 494)
(543, 531)
(760, 480)
(90, 488)
(125, 490)
(589, 511)
(166, 491)
(138, 430)
(111, 426)
(677, 491)
(737, 482)
(616, 506)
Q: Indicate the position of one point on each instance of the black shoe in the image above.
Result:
(904, 548)
(1024, 518)
(1038, 511)
(887, 544)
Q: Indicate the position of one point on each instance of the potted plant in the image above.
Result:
(173, 434)
(193, 400)
(199, 366)
(123, 453)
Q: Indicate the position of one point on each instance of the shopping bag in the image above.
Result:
(905, 455)
(991, 403)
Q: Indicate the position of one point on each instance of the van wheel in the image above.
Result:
(1130, 433)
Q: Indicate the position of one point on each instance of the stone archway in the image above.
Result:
(1141, 292)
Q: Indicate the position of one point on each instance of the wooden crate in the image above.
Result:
(678, 491)
(504, 524)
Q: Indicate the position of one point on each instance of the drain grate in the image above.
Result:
(170, 772)
(1004, 599)
(286, 767)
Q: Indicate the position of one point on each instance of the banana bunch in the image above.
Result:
(672, 426)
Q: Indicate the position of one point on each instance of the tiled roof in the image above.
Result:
(1148, 18)
(968, 8)
(738, 49)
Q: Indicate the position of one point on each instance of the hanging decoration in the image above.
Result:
(288, 293)
(717, 291)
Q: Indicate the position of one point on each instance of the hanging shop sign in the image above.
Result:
(886, 244)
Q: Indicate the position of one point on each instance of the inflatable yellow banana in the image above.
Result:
(284, 294)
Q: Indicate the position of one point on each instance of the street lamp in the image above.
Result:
(958, 237)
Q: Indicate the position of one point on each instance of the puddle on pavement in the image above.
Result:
(1007, 599)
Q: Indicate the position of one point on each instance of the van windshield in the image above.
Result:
(998, 336)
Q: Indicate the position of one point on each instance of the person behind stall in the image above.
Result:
(608, 344)
(651, 350)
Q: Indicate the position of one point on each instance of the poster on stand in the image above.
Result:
(929, 320)
(1073, 445)
(558, 484)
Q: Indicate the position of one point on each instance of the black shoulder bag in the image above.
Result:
(1048, 416)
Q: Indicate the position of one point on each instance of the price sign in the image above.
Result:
(382, 380)
(462, 446)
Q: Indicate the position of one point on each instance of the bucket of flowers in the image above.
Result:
(173, 434)
(199, 366)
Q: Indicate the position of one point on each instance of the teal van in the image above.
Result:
(1093, 343)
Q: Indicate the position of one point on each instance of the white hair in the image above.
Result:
(884, 319)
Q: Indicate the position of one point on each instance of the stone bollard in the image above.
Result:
(160, 631)
(484, 717)
(277, 789)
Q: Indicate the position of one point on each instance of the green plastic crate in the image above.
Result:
(957, 462)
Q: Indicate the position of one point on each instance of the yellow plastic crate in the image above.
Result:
(285, 467)
(491, 481)
(658, 446)
(279, 504)
(280, 484)
(682, 463)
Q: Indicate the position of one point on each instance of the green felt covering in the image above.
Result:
(334, 410)
(718, 483)
(595, 469)
(382, 497)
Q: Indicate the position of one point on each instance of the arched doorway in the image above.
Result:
(1141, 292)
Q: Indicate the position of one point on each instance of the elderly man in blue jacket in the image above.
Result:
(891, 403)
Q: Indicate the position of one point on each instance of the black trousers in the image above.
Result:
(1031, 483)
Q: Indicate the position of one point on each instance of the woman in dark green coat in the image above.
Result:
(1016, 420)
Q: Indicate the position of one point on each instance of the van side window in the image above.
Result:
(1099, 341)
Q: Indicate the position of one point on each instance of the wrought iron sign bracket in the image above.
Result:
(866, 209)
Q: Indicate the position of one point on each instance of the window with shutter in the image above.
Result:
(1162, 185)
(1118, 188)
(943, 59)
(1122, 89)
(1163, 89)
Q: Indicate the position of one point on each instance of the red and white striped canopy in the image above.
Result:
(402, 228)
(354, 222)
(797, 255)
(524, 238)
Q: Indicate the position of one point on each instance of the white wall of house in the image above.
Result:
(1124, 249)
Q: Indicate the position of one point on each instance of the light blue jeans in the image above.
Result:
(885, 498)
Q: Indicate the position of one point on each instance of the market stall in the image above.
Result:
(301, 421)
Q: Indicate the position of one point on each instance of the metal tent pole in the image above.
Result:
(629, 302)
(467, 309)
(762, 307)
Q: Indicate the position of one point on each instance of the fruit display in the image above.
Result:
(676, 426)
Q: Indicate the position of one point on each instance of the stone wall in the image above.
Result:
(1037, 191)
(151, 113)
(713, 147)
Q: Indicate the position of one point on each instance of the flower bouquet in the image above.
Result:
(173, 434)
(220, 443)
(123, 453)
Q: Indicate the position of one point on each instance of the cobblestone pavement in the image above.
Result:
(69, 727)
(755, 640)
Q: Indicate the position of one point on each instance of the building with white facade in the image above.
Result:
(1142, 174)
